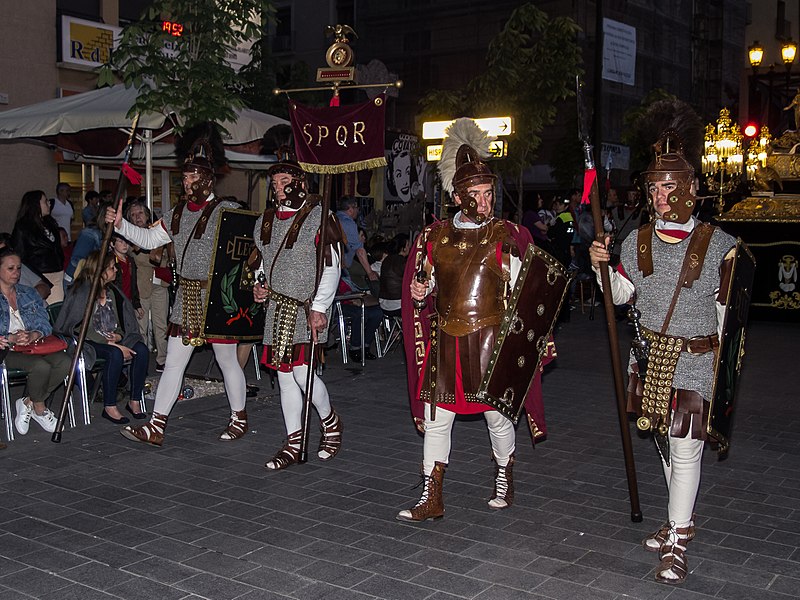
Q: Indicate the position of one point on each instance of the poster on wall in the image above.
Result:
(404, 168)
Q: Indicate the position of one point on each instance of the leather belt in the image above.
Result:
(701, 344)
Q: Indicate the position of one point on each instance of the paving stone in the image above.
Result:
(96, 575)
(379, 586)
(460, 585)
(34, 582)
(161, 570)
(274, 580)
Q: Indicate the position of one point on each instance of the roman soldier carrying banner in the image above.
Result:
(297, 310)
(678, 270)
(190, 226)
(457, 282)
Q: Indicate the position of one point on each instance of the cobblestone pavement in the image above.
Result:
(101, 517)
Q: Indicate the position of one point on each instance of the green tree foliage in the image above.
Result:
(530, 66)
(188, 74)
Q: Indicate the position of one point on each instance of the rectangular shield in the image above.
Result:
(524, 332)
(230, 311)
(728, 362)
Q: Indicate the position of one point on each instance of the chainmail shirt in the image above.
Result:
(695, 311)
(291, 271)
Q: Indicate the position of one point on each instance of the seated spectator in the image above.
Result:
(392, 274)
(113, 334)
(27, 275)
(373, 315)
(24, 321)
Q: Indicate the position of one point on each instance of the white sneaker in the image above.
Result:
(47, 420)
(23, 419)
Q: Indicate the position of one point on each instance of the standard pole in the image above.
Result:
(306, 418)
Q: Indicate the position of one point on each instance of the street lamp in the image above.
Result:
(756, 54)
(788, 52)
(722, 156)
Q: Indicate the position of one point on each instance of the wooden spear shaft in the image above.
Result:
(613, 343)
(87, 313)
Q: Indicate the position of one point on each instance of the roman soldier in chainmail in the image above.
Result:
(297, 309)
(677, 270)
(190, 226)
(458, 277)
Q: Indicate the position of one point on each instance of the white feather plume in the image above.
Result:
(461, 131)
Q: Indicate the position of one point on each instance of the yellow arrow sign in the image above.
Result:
(495, 126)
(497, 149)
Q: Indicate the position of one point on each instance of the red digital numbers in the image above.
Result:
(172, 28)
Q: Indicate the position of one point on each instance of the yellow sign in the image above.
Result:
(86, 42)
(497, 149)
(495, 126)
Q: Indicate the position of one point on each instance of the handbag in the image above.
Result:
(46, 345)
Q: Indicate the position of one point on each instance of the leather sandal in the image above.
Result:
(237, 426)
(151, 432)
(673, 559)
(654, 541)
(288, 455)
(331, 441)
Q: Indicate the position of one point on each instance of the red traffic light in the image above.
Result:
(751, 130)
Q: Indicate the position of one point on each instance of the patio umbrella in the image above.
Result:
(95, 125)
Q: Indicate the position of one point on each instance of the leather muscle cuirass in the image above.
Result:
(470, 282)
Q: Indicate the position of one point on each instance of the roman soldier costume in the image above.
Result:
(190, 226)
(677, 269)
(286, 238)
(469, 265)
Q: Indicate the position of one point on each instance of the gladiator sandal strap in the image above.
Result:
(654, 541)
(673, 558)
(237, 426)
(331, 441)
(151, 432)
(288, 455)
(503, 495)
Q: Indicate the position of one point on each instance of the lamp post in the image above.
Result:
(722, 156)
(756, 55)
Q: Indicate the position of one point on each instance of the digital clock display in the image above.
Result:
(172, 28)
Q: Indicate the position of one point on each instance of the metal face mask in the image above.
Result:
(295, 194)
(200, 190)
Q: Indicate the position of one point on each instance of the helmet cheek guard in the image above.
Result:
(469, 205)
(670, 164)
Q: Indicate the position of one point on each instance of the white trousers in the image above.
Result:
(436, 446)
(178, 355)
(683, 478)
(293, 386)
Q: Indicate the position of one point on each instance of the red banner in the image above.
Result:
(339, 139)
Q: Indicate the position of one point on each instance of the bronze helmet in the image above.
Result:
(295, 191)
(471, 171)
(669, 164)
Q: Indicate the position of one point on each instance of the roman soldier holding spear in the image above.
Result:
(678, 271)
(293, 236)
